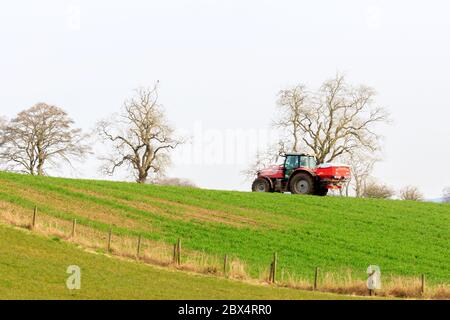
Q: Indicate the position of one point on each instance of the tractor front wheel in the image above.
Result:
(261, 185)
(302, 183)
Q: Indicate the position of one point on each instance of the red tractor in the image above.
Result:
(300, 174)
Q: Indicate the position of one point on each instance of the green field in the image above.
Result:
(34, 267)
(336, 234)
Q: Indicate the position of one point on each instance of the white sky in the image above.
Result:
(221, 64)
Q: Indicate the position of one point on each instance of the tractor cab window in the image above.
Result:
(312, 162)
(291, 162)
(308, 162)
(304, 162)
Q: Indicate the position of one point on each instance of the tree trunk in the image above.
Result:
(41, 159)
(320, 159)
(142, 177)
(40, 167)
(295, 148)
(358, 187)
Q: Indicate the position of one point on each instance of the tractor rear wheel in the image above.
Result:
(261, 185)
(302, 183)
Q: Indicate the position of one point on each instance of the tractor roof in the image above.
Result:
(298, 154)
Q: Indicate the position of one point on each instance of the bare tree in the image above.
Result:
(40, 136)
(2, 128)
(140, 136)
(411, 193)
(361, 166)
(2, 138)
(293, 104)
(339, 121)
(376, 190)
(335, 121)
(446, 194)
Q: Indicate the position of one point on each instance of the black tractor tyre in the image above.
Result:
(302, 183)
(321, 191)
(261, 185)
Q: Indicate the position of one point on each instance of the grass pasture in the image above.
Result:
(341, 236)
(34, 267)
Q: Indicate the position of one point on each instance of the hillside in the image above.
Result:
(341, 236)
(34, 267)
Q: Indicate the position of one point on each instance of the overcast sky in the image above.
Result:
(220, 65)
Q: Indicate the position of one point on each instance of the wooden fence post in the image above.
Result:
(422, 289)
(274, 272)
(179, 252)
(225, 263)
(74, 226)
(33, 221)
(175, 253)
(109, 239)
(271, 272)
(316, 275)
(138, 247)
(273, 269)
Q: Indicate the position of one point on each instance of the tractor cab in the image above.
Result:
(294, 161)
